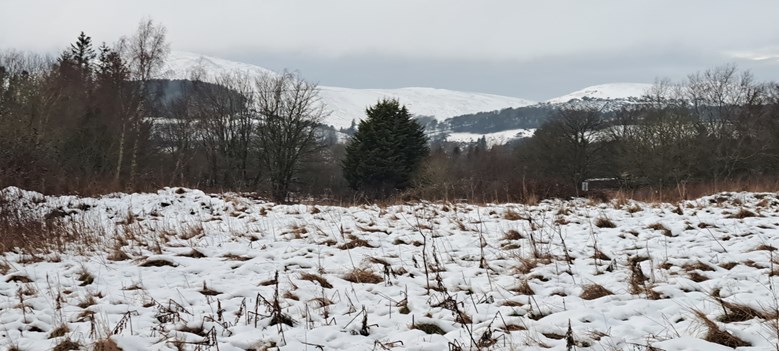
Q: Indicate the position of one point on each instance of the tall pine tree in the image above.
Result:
(386, 151)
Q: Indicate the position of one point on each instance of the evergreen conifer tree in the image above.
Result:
(386, 151)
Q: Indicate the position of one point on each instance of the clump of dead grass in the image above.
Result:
(604, 222)
(523, 288)
(661, 228)
(107, 344)
(512, 215)
(717, 335)
(594, 291)
(742, 213)
(737, 312)
(428, 328)
(67, 345)
(764, 247)
(512, 235)
(353, 242)
(157, 262)
(208, 291)
(59, 331)
(363, 276)
(316, 278)
(194, 253)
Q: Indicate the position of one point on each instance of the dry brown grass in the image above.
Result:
(736, 312)
(234, 257)
(61, 330)
(106, 345)
(316, 278)
(360, 276)
(526, 265)
(87, 301)
(698, 266)
(594, 291)
(208, 291)
(354, 242)
(5, 267)
(117, 254)
(716, 335)
(637, 282)
(697, 277)
(764, 247)
(512, 215)
(523, 288)
(428, 328)
(157, 262)
(512, 234)
(601, 256)
(662, 228)
(742, 213)
(689, 190)
(193, 254)
(49, 234)
(18, 278)
(604, 222)
(67, 345)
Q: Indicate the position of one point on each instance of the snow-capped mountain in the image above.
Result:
(186, 65)
(612, 91)
(347, 104)
(492, 139)
(499, 119)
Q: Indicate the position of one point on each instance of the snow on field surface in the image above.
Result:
(605, 91)
(497, 138)
(181, 268)
(346, 104)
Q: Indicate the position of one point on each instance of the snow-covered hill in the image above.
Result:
(610, 91)
(348, 104)
(185, 65)
(492, 139)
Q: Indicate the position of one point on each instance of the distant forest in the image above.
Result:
(100, 119)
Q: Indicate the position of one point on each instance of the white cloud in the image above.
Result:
(493, 30)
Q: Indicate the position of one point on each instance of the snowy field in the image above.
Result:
(184, 270)
(492, 139)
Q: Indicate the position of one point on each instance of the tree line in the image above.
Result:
(103, 119)
(717, 127)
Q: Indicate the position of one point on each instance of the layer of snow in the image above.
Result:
(497, 138)
(482, 262)
(183, 65)
(605, 91)
(346, 104)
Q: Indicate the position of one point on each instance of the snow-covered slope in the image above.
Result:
(492, 139)
(183, 65)
(604, 92)
(346, 104)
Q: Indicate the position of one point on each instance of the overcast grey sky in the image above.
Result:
(531, 49)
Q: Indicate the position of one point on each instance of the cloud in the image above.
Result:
(531, 49)
(494, 30)
(762, 54)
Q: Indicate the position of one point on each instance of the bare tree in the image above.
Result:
(226, 124)
(144, 53)
(571, 145)
(289, 111)
(726, 102)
